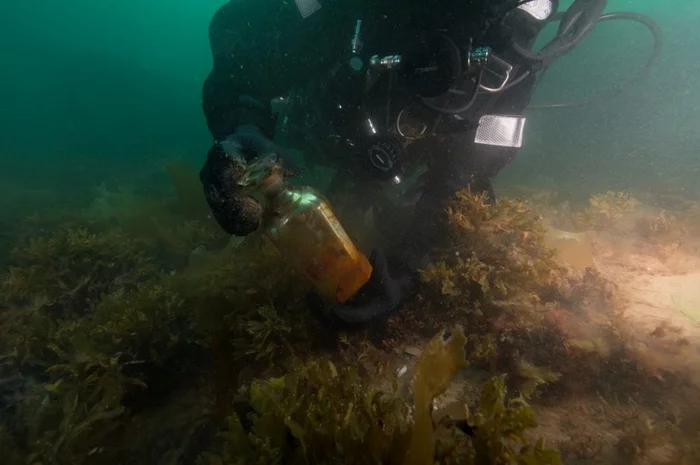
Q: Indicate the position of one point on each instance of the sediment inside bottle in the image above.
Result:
(320, 248)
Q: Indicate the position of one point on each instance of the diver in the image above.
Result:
(376, 88)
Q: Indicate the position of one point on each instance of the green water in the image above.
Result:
(643, 138)
(93, 91)
(133, 331)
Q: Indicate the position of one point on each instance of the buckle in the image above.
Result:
(503, 66)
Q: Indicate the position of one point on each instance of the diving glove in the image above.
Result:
(236, 212)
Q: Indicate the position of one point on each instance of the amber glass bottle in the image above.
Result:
(301, 224)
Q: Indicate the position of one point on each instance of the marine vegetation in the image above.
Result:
(496, 252)
(321, 413)
(605, 209)
(71, 269)
(131, 331)
(524, 312)
(97, 327)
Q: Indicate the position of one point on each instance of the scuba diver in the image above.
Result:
(376, 88)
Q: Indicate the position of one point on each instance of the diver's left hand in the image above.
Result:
(379, 297)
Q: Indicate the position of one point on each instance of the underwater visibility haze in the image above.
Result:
(172, 294)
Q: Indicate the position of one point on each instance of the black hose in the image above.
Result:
(574, 25)
(387, 121)
(546, 59)
(657, 36)
(458, 110)
(517, 81)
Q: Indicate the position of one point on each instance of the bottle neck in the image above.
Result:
(277, 200)
(273, 186)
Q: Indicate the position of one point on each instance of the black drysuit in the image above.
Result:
(262, 49)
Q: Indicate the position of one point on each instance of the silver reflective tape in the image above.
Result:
(307, 7)
(501, 131)
(538, 9)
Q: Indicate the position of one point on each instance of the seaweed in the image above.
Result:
(640, 436)
(267, 337)
(131, 333)
(92, 381)
(252, 298)
(322, 413)
(500, 425)
(86, 398)
(498, 279)
(314, 414)
(102, 365)
(535, 377)
(496, 252)
(168, 228)
(436, 366)
(664, 226)
(10, 451)
(496, 275)
(605, 210)
(150, 323)
(99, 354)
(23, 339)
(73, 268)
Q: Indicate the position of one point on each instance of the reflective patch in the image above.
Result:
(501, 131)
(307, 7)
(538, 9)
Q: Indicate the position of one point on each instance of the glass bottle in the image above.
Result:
(301, 224)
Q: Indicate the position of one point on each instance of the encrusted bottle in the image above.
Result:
(300, 222)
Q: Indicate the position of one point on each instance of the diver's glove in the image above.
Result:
(379, 297)
(236, 212)
(250, 142)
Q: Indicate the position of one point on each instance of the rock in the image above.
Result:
(401, 371)
(412, 351)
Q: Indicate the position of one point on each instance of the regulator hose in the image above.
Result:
(543, 61)
(619, 88)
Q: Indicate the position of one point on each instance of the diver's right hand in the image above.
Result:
(250, 142)
(236, 212)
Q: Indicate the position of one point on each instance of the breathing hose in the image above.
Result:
(656, 51)
(456, 110)
(560, 46)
